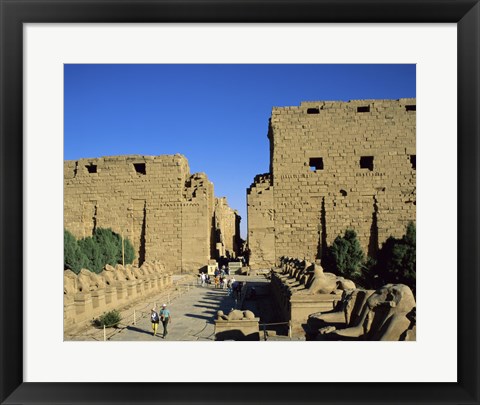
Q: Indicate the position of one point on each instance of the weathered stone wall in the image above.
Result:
(261, 226)
(152, 200)
(226, 226)
(197, 213)
(336, 165)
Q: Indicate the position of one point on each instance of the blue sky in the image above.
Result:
(215, 115)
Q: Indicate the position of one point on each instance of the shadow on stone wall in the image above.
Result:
(237, 335)
(373, 241)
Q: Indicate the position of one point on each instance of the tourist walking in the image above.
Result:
(166, 318)
(237, 289)
(230, 285)
(154, 317)
(203, 278)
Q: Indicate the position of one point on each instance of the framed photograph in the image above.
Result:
(40, 38)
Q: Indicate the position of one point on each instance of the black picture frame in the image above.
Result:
(465, 13)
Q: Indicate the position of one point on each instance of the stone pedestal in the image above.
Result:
(147, 285)
(111, 297)
(245, 329)
(302, 305)
(154, 283)
(161, 282)
(121, 292)
(98, 301)
(140, 288)
(68, 310)
(131, 290)
(83, 307)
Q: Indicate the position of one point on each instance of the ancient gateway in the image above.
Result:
(333, 166)
(168, 214)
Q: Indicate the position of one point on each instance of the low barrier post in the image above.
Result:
(134, 317)
(290, 329)
(104, 333)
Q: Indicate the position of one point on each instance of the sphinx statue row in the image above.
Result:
(333, 308)
(386, 314)
(309, 278)
(88, 295)
(299, 285)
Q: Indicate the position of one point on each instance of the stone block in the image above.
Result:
(83, 307)
(245, 329)
(98, 300)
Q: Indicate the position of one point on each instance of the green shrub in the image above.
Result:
(109, 319)
(397, 259)
(369, 278)
(129, 251)
(73, 256)
(94, 252)
(345, 256)
(110, 244)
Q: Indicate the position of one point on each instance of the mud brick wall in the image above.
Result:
(261, 227)
(226, 220)
(339, 165)
(197, 213)
(153, 200)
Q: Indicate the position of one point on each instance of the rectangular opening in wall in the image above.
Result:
(366, 162)
(363, 109)
(315, 164)
(313, 111)
(140, 168)
(413, 161)
(411, 108)
(91, 168)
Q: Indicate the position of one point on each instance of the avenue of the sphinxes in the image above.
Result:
(333, 166)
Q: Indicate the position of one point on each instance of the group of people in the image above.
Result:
(164, 316)
(221, 280)
(203, 279)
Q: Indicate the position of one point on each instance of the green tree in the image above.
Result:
(345, 255)
(129, 251)
(397, 259)
(92, 250)
(73, 257)
(369, 278)
(110, 244)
